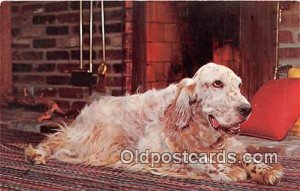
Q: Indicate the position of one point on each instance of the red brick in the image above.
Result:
(118, 68)
(43, 67)
(166, 12)
(128, 15)
(16, 55)
(43, 19)
(21, 43)
(285, 37)
(176, 52)
(57, 30)
(116, 27)
(171, 32)
(298, 37)
(57, 55)
(128, 27)
(20, 46)
(67, 68)
(290, 20)
(36, 7)
(20, 21)
(33, 31)
(117, 93)
(32, 55)
(75, 55)
(113, 54)
(68, 41)
(15, 8)
(289, 53)
(28, 79)
(155, 32)
(58, 80)
(149, 85)
(151, 11)
(159, 52)
(21, 67)
(156, 72)
(128, 4)
(115, 81)
(44, 43)
(57, 6)
(47, 92)
(115, 40)
(159, 85)
(75, 5)
(113, 4)
(15, 32)
(290, 5)
(78, 105)
(111, 15)
(128, 54)
(150, 73)
(68, 18)
(70, 92)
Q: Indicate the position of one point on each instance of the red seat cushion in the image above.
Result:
(276, 106)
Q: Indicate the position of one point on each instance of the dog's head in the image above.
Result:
(216, 90)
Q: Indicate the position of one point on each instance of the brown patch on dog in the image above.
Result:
(254, 169)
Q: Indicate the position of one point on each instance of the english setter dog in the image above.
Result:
(199, 114)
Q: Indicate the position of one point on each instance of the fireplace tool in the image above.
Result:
(82, 77)
(102, 69)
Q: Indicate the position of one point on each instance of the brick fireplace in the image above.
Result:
(177, 41)
(149, 44)
(45, 48)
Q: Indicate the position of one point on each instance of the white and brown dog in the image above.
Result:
(198, 114)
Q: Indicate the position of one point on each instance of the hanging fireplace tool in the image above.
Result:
(102, 69)
(82, 77)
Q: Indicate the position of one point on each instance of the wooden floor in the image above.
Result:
(25, 120)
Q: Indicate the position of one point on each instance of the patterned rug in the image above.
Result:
(16, 174)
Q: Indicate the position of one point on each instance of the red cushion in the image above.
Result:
(276, 106)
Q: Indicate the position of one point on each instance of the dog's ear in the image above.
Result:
(182, 105)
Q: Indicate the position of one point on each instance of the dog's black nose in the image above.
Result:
(244, 110)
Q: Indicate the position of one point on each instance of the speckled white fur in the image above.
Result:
(146, 121)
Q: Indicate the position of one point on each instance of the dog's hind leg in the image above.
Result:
(45, 149)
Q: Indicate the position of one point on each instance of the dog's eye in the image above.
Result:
(218, 84)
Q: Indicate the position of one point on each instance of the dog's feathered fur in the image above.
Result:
(175, 119)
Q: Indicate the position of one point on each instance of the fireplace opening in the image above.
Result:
(177, 38)
(210, 32)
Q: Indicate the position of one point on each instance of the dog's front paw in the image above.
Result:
(273, 175)
(34, 156)
(237, 174)
(233, 174)
(262, 173)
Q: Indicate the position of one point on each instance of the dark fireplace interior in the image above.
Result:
(179, 37)
(210, 32)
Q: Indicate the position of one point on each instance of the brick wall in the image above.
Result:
(45, 46)
(164, 62)
(289, 35)
(127, 44)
